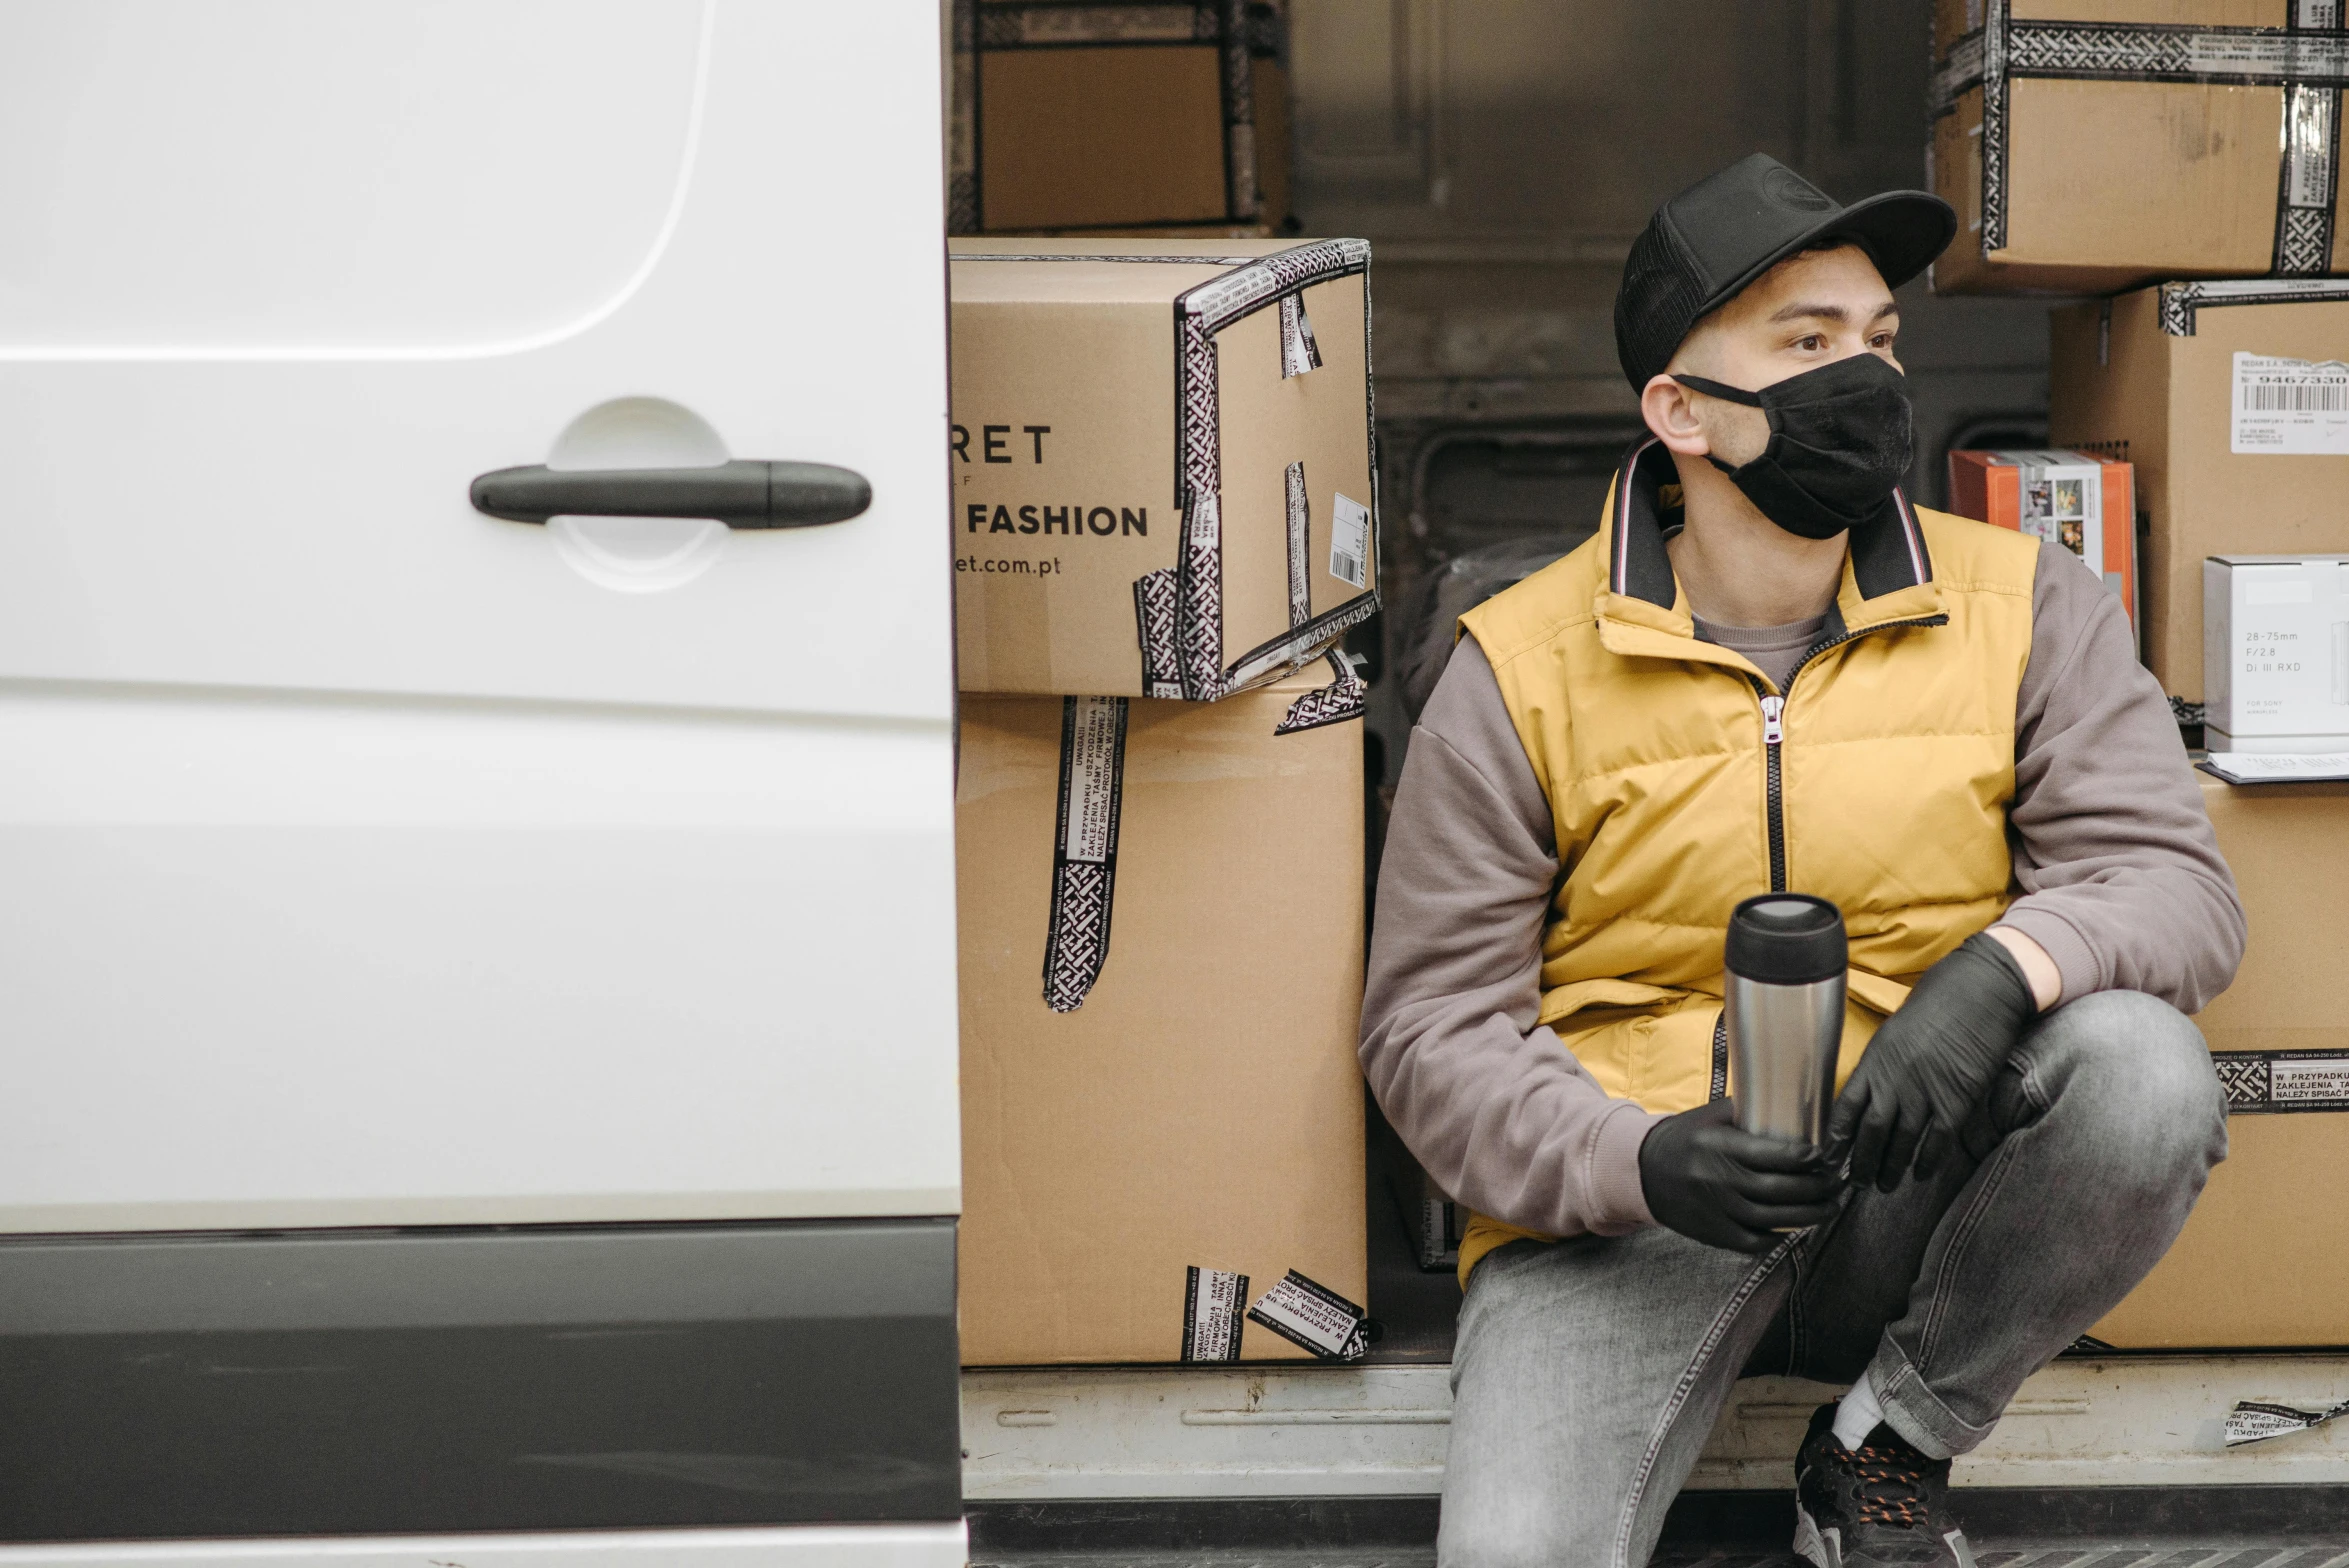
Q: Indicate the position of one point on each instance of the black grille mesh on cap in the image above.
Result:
(1660, 299)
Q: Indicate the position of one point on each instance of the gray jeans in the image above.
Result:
(1590, 1372)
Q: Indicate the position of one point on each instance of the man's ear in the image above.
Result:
(1670, 411)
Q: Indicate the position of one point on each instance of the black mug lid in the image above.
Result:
(1786, 939)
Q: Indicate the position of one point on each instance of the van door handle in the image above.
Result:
(741, 494)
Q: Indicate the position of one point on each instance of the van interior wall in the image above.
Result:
(1500, 155)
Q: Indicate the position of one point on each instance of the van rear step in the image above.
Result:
(1339, 1467)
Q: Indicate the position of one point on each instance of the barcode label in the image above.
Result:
(2290, 406)
(2299, 398)
(1349, 542)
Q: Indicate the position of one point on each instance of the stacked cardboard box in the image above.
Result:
(1164, 521)
(1158, 1055)
(1075, 116)
(2184, 155)
(2097, 145)
(2229, 400)
(2264, 1261)
(1161, 458)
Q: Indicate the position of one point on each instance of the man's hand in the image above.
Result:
(1930, 1064)
(1726, 1188)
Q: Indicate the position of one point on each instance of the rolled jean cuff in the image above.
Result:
(1916, 1412)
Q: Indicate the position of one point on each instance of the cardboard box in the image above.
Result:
(2264, 1261)
(2097, 145)
(1161, 459)
(1161, 937)
(2079, 500)
(2275, 653)
(2228, 399)
(1070, 116)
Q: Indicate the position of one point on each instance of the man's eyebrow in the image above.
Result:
(1800, 309)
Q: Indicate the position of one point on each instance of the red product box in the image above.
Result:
(2084, 502)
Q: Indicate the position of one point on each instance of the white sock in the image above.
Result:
(1857, 1416)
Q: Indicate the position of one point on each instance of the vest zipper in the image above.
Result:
(1774, 736)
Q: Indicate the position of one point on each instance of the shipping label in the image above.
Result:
(2290, 407)
(1313, 1316)
(1349, 541)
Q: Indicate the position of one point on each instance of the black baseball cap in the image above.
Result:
(1727, 229)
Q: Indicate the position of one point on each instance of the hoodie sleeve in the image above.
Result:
(1498, 1111)
(2121, 878)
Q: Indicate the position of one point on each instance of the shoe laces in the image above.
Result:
(1891, 1487)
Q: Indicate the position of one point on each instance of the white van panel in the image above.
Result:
(298, 961)
(370, 860)
(396, 176)
(228, 508)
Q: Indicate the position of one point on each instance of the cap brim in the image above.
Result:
(1902, 231)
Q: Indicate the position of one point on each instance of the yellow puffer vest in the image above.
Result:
(1680, 781)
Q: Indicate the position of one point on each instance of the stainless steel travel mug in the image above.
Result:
(1786, 956)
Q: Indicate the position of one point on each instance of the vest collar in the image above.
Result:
(1887, 574)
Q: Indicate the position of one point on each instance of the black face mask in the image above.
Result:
(1840, 441)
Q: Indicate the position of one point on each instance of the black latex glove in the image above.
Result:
(1726, 1188)
(1928, 1067)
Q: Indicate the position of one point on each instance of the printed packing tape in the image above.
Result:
(1179, 609)
(1213, 1302)
(2274, 1082)
(2254, 1421)
(1084, 847)
(1092, 805)
(1314, 1317)
(1305, 1313)
(1299, 353)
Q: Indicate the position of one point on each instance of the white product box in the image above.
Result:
(2275, 652)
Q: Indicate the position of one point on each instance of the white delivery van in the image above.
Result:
(476, 953)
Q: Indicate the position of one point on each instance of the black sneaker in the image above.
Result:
(1886, 1504)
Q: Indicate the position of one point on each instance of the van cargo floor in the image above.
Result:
(2069, 1554)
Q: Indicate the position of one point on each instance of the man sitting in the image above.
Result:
(1769, 672)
